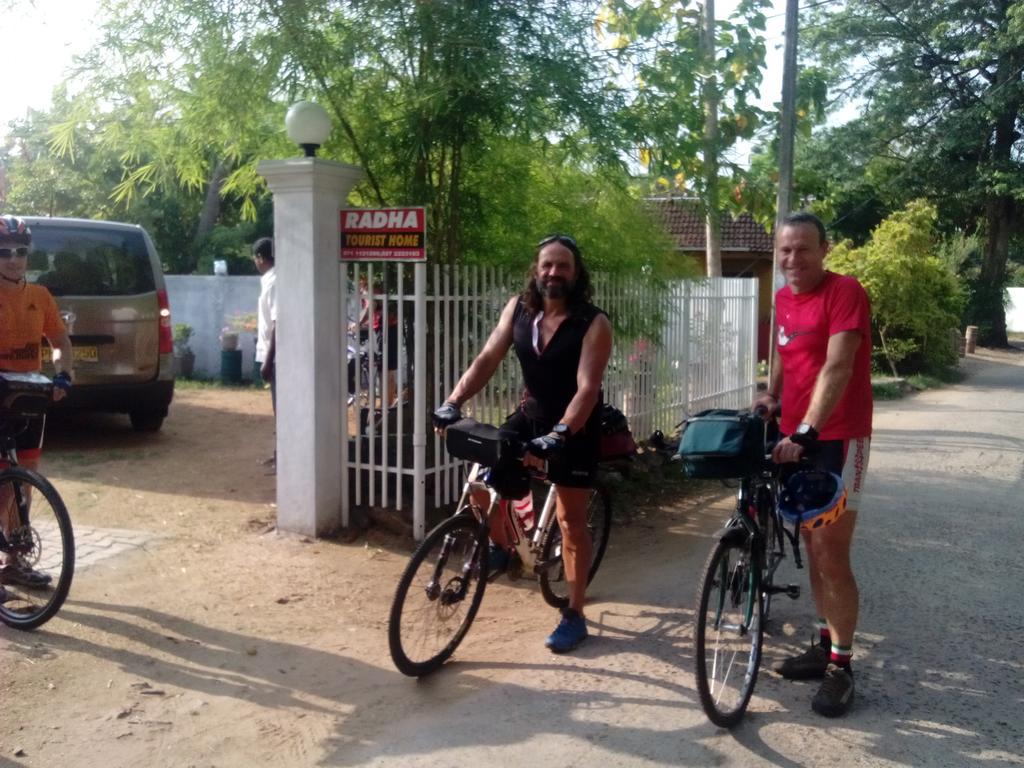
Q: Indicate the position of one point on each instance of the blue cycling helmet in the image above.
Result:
(812, 499)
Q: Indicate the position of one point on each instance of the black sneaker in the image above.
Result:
(809, 665)
(835, 695)
(17, 571)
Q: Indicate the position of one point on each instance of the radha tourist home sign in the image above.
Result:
(383, 234)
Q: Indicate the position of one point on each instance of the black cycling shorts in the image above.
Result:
(846, 458)
(576, 464)
(28, 432)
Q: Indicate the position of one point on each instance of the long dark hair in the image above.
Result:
(578, 297)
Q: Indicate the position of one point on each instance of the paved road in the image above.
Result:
(939, 658)
(268, 651)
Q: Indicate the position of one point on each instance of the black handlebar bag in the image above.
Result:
(24, 394)
(721, 444)
(470, 440)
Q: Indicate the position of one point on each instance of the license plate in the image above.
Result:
(81, 354)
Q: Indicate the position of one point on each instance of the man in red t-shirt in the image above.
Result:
(821, 377)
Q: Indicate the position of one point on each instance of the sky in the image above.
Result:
(50, 32)
(41, 38)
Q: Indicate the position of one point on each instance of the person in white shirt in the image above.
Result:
(263, 258)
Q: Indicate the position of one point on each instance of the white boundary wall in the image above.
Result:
(1015, 310)
(209, 303)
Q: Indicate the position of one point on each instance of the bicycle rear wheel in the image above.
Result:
(729, 632)
(38, 552)
(553, 585)
(438, 596)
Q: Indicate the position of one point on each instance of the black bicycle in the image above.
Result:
(735, 593)
(443, 585)
(37, 546)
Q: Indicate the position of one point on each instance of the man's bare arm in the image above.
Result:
(833, 377)
(770, 398)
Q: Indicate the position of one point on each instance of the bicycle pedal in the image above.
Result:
(790, 590)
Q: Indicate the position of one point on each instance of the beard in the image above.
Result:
(555, 288)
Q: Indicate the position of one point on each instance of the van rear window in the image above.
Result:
(85, 261)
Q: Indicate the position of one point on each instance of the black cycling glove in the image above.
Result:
(446, 415)
(62, 381)
(546, 445)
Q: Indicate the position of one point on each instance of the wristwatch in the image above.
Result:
(806, 432)
(562, 430)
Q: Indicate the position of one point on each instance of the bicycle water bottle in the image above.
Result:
(524, 509)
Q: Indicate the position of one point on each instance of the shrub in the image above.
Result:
(915, 297)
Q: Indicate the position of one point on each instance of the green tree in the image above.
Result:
(915, 297)
(941, 92)
(187, 96)
(191, 95)
(692, 94)
(425, 92)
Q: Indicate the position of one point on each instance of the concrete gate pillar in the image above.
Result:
(308, 193)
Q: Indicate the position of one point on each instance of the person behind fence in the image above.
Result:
(266, 320)
(821, 377)
(563, 343)
(28, 312)
(388, 349)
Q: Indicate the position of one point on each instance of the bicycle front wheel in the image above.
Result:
(553, 585)
(438, 596)
(38, 550)
(728, 633)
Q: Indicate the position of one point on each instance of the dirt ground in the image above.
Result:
(214, 640)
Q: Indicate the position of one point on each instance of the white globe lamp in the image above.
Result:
(308, 125)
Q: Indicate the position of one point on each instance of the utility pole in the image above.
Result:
(713, 228)
(787, 129)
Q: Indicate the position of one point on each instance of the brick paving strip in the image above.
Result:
(95, 544)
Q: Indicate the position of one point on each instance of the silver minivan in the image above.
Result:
(109, 285)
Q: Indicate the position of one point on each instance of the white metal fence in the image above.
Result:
(680, 347)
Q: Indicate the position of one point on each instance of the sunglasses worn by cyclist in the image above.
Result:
(566, 240)
(8, 253)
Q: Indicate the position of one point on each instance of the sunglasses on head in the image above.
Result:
(8, 253)
(566, 240)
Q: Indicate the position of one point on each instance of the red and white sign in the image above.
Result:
(384, 234)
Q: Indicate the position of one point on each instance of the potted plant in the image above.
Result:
(184, 357)
(228, 339)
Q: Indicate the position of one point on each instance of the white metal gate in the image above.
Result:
(680, 347)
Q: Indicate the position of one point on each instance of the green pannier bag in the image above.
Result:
(721, 443)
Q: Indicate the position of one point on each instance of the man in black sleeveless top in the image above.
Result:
(563, 343)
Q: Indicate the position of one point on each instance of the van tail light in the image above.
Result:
(166, 338)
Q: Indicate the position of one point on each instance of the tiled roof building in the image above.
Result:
(747, 249)
(685, 224)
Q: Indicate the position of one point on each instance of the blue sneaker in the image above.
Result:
(497, 560)
(570, 632)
